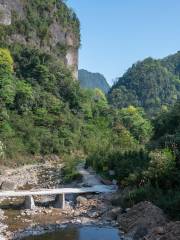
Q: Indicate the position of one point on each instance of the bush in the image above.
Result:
(161, 165)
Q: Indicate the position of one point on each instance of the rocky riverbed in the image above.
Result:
(142, 222)
(84, 209)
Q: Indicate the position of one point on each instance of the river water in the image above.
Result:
(80, 233)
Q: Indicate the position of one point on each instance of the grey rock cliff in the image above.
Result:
(58, 35)
(5, 15)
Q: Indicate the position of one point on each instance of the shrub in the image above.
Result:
(161, 165)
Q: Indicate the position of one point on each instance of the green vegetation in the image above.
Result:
(34, 27)
(40, 103)
(44, 111)
(147, 166)
(149, 172)
(151, 84)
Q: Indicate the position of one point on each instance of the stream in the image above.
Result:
(80, 233)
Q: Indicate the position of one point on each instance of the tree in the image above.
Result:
(135, 120)
(7, 83)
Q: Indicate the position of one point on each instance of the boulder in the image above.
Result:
(141, 219)
(81, 200)
(8, 186)
(113, 213)
(170, 231)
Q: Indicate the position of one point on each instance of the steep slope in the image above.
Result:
(46, 25)
(93, 80)
(39, 99)
(151, 84)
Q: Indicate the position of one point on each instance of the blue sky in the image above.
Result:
(117, 33)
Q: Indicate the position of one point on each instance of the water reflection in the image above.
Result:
(84, 233)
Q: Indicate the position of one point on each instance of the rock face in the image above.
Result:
(63, 42)
(5, 15)
(141, 219)
(15, 5)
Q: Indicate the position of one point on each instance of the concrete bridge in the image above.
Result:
(59, 193)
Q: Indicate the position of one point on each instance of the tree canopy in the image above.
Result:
(150, 84)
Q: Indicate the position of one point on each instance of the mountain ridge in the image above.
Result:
(151, 84)
(93, 80)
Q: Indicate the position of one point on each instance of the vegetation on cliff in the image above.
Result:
(37, 17)
(151, 84)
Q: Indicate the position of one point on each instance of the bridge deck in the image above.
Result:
(42, 192)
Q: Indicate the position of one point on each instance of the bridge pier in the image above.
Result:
(60, 201)
(29, 202)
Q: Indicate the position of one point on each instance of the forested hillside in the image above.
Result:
(93, 80)
(148, 166)
(43, 109)
(151, 84)
(146, 103)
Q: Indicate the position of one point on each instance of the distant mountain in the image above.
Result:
(93, 80)
(151, 84)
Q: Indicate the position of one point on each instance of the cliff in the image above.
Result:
(46, 25)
